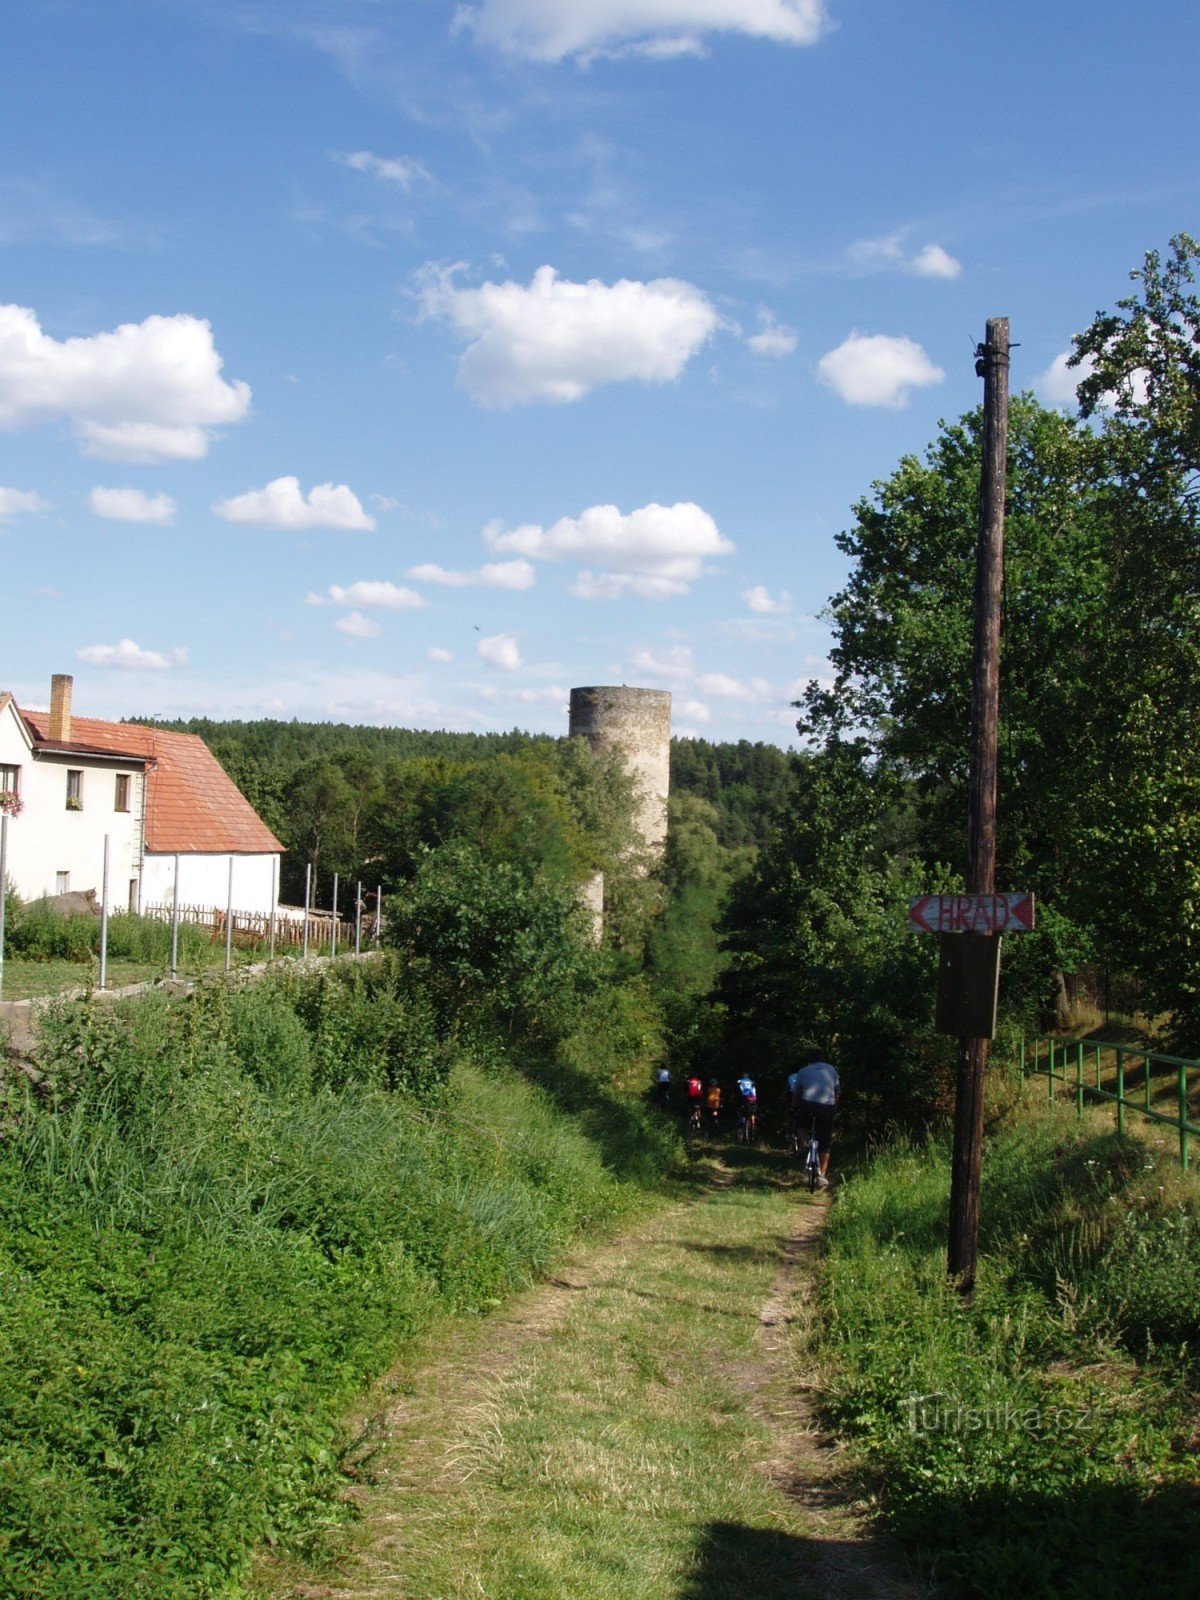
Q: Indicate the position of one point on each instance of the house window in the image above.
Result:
(74, 789)
(122, 801)
(62, 882)
(10, 779)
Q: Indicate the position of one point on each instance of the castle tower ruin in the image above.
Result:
(637, 723)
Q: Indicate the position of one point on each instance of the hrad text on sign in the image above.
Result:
(971, 913)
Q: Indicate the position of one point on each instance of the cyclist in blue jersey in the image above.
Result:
(815, 1096)
(747, 1101)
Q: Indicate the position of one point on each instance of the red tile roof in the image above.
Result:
(192, 805)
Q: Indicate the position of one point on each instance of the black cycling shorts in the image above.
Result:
(819, 1118)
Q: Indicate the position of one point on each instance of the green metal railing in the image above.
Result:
(1132, 1078)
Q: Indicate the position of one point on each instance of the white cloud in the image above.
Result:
(556, 340)
(148, 391)
(889, 254)
(436, 653)
(281, 505)
(132, 505)
(20, 502)
(934, 262)
(720, 686)
(500, 651)
(695, 711)
(358, 626)
(373, 594)
(760, 600)
(655, 552)
(550, 30)
(403, 171)
(877, 370)
(774, 338)
(1058, 384)
(492, 575)
(674, 663)
(130, 657)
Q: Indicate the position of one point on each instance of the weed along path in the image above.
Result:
(635, 1427)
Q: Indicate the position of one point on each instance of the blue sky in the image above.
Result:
(405, 362)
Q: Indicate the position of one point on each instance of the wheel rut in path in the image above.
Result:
(637, 1427)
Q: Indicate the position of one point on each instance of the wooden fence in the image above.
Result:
(254, 927)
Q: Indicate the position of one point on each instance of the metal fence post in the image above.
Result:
(175, 922)
(229, 921)
(333, 924)
(1183, 1117)
(1120, 1094)
(1050, 1070)
(378, 913)
(104, 919)
(274, 905)
(358, 918)
(307, 903)
(1079, 1078)
(3, 886)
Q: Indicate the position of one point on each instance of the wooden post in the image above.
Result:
(971, 1067)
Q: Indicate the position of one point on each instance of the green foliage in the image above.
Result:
(816, 957)
(490, 947)
(1025, 1441)
(225, 1212)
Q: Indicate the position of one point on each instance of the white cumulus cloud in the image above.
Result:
(877, 370)
(655, 552)
(130, 657)
(436, 653)
(695, 711)
(555, 340)
(550, 30)
(1058, 384)
(280, 504)
(132, 505)
(358, 626)
(764, 603)
(890, 255)
(20, 502)
(517, 574)
(403, 171)
(500, 651)
(934, 262)
(147, 391)
(372, 594)
(773, 338)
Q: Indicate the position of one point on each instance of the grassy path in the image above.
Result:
(634, 1428)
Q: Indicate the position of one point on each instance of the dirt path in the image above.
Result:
(636, 1427)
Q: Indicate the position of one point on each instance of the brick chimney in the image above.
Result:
(60, 708)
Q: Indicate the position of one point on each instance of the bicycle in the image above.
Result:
(812, 1162)
(695, 1122)
(746, 1126)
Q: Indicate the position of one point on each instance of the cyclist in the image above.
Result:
(662, 1088)
(712, 1104)
(814, 1100)
(695, 1098)
(747, 1105)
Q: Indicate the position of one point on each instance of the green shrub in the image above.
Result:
(1016, 1442)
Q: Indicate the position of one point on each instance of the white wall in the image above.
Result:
(204, 881)
(47, 839)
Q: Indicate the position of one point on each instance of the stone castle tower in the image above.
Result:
(637, 723)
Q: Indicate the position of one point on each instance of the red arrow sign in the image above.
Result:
(971, 913)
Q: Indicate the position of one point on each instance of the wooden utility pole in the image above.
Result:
(992, 366)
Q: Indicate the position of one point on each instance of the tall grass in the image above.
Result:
(1042, 1439)
(223, 1216)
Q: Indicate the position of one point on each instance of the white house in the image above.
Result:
(158, 796)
